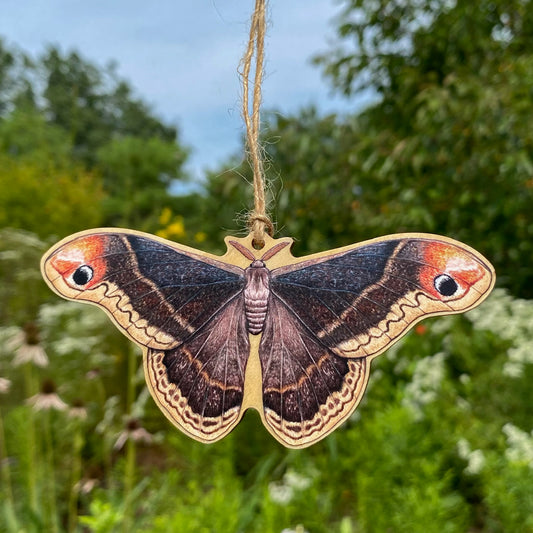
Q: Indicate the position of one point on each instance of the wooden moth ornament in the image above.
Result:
(292, 337)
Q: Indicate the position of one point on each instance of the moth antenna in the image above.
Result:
(271, 253)
(274, 250)
(244, 251)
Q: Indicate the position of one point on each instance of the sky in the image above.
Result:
(182, 56)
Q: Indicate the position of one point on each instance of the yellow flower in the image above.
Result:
(174, 226)
(177, 228)
(165, 216)
(200, 236)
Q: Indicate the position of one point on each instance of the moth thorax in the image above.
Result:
(256, 294)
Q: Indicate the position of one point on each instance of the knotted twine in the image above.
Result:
(258, 220)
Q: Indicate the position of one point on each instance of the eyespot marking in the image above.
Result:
(445, 285)
(83, 275)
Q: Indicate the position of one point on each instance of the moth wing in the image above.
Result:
(331, 314)
(156, 293)
(199, 385)
(307, 389)
(184, 308)
(359, 300)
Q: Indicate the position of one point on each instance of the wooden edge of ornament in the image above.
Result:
(234, 260)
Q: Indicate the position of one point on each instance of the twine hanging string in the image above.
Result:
(258, 220)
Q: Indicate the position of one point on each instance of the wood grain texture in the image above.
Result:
(291, 337)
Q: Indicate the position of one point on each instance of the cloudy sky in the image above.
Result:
(181, 56)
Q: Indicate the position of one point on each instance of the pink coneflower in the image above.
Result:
(86, 485)
(135, 432)
(94, 373)
(29, 350)
(78, 410)
(5, 385)
(47, 399)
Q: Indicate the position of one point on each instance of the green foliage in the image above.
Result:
(222, 492)
(92, 104)
(398, 47)
(75, 139)
(26, 135)
(56, 194)
(22, 290)
(442, 441)
(508, 495)
(104, 518)
(127, 164)
(40, 186)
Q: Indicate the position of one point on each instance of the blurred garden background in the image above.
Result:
(443, 440)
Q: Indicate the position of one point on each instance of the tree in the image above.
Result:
(402, 45)
(453, 149)
(93, 105)
(63, 109)
(128, 165)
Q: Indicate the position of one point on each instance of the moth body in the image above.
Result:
(256, 293)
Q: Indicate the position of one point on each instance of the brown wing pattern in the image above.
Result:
(328, 317)
(199, 385)
(157, 294)
(359, 301)
(307, 389)
(185, 310)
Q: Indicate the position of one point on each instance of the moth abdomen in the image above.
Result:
(256, 294)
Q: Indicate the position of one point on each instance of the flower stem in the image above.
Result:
(32, 447)
(129, 476)
(129, 467)
(51, 489)
(75, 481)
(11, 516)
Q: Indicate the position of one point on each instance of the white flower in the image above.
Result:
(280, 493)
(26, 345)
(135, 432)
(443, 325)
(296, 481)
(68, 345)
(46, 402)
(475, 458)
(10, 255)
(513, 369)
(519, 355)
(476, 462)
(51, 314)
(78, 410)
(283, 491)
(11, 338)
(520, 443)
(465, 379)
(298, 529)
(511, 319)
(423, 388)
(86, 485)
(47, 399)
